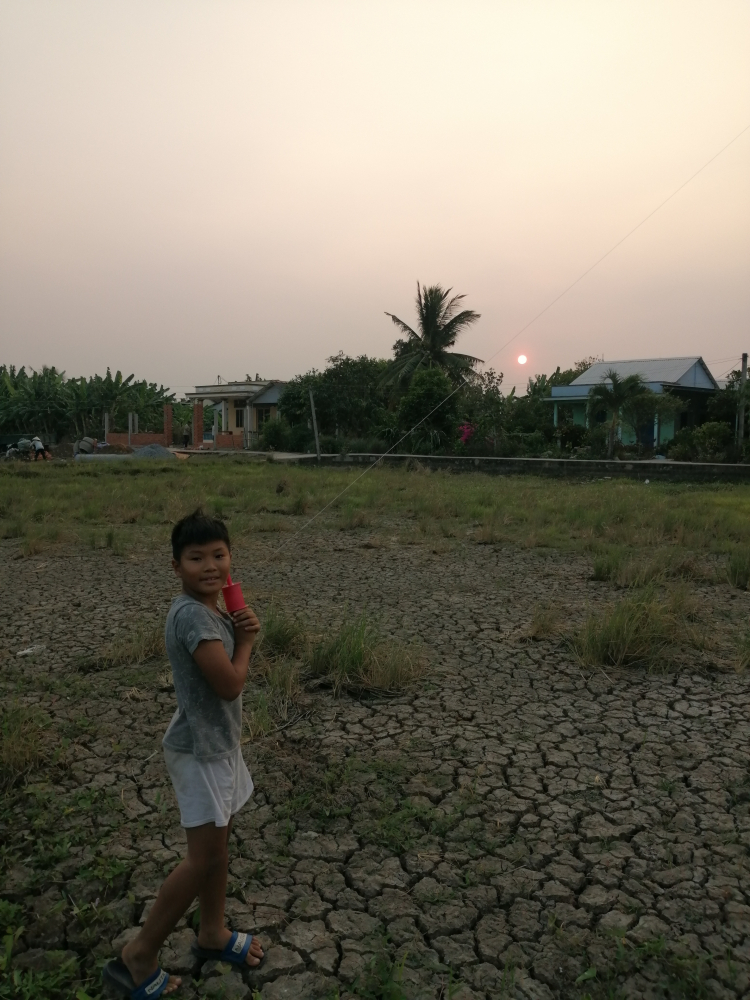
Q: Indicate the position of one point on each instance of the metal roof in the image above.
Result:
(691, 373)
(247, 391)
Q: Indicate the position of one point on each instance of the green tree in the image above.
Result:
(612, 395)
(34, 403)
(349, 397)
(430, 407)
(484, 408)
(439, 324)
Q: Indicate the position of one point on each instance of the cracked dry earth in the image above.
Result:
(512, 827)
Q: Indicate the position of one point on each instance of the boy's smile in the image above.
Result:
(203, 570)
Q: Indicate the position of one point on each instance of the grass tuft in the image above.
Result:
(358, 657)
(640, 630)
(353, 518)
(738, 567)
(22, 746)
(547, 623)
(621, 567)
(269, 704)
(282, 635)
(140, 644)
(743, 651)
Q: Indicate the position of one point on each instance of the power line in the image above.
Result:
(541, 313)
(619, 243)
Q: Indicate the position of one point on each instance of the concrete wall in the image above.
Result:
(139, 440)
(654, 471)
(136, 440)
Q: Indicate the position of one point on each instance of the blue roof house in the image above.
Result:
(687, 378)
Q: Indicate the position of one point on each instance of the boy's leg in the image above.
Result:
(207, 853)
(212, 895)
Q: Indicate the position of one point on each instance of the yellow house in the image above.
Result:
(240, 411)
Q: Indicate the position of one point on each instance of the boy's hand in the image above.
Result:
(246, 626)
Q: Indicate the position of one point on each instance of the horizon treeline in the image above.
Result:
(358, 408)
(53, 406)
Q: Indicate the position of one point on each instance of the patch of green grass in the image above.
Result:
(382, 978)
(676, 975)
(144, 499)
(62, 983)
(358, 657)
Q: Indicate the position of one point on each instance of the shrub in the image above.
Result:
(596, 440)
(713, 441)
(276, 436)
(682, 446)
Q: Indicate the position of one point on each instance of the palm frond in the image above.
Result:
(466, 360)
(450, 308)
(403, 326)
(457, 324)
(404, 367)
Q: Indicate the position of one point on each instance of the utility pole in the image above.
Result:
(315, 424)
(741, 408)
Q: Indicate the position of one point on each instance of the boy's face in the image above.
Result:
(203, 569)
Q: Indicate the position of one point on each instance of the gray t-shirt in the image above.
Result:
(204, 724)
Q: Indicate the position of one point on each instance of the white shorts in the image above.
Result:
(208, 791)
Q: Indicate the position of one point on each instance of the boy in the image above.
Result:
(209, 652)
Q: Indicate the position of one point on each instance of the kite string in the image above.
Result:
(526, 326)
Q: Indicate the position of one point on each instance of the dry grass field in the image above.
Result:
(498, 730)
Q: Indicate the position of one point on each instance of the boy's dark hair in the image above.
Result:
(198, 529)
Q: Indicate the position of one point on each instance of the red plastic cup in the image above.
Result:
(233, 598)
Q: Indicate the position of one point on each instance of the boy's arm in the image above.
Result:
(227, 677)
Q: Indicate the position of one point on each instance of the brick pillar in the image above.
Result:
(197, 425)
(168, 440)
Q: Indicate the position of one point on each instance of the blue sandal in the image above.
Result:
(117, 975)
(235, 951)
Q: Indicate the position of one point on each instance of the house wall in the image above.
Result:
(666, 430)
(579, 414)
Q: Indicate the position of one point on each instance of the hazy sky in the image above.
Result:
(190, 189)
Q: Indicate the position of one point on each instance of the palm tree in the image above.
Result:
(439, 325)
(612, 398)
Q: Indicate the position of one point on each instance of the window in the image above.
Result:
(264, 415)
(239, 418)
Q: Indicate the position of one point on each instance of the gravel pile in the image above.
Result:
(153, 451)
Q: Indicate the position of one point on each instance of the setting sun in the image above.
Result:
(522, 359)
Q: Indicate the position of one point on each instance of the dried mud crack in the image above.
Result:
(513, 826)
